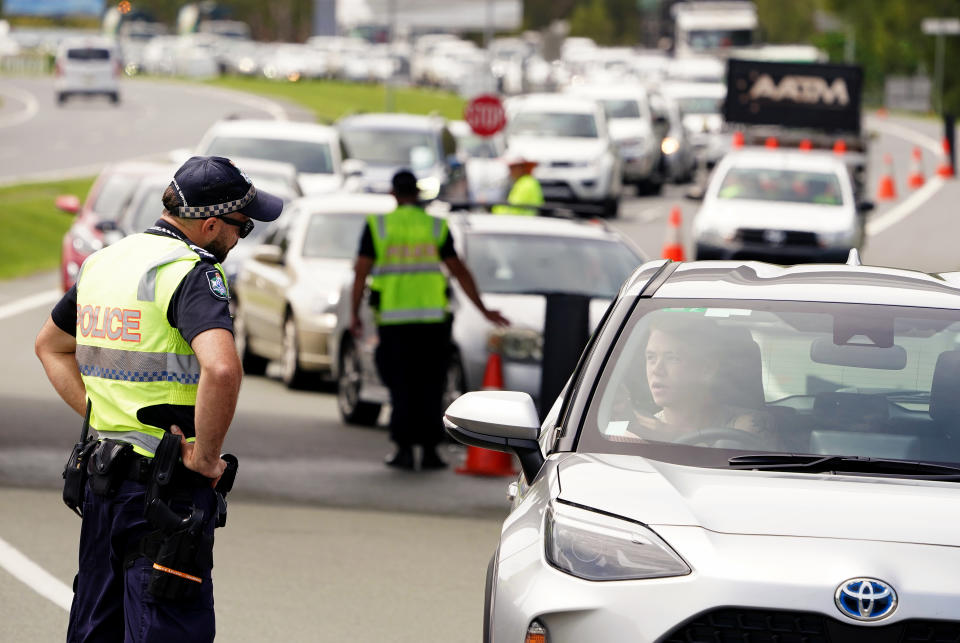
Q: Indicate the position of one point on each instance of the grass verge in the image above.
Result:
(33, 227)
(330, 99)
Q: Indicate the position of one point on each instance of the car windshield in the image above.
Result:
(333, 236)
(553, 124)
(693, 382)
(478, 147)
(793, 186)
(715, 38)
(145, 208)
(699, 105)
(625, 108)
(312, 158)
(417, 149)
(115, 194)
(504, 263)
(88, 53)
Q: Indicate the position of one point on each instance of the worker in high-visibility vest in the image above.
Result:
(525, 190)
(142, 346)
(404, 251)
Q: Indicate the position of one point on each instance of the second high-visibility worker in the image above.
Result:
(526, 188)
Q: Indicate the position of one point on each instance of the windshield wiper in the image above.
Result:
(846, 465)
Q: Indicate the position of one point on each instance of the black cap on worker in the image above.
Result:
(405, 184)
(211, 186)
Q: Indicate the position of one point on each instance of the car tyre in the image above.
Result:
(611, 208)
(61, 98)
(292, 375)
(115, 98)
(253, 364)
(353, 410)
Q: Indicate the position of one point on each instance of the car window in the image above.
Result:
(553, 124)
(699, 105)
(391, 147)
(625, 108)
(88, 54)
(115, 194)
(830, 379)
(333, 236)
(503, 263)
(145, 208)
(306, 156)
(478, 147)
(781, 185)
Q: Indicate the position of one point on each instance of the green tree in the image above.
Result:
(592, 20)
(786, 22)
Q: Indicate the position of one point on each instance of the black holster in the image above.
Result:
(109, 466)
(75, 475)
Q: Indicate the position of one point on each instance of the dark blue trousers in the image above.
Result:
(111, 602)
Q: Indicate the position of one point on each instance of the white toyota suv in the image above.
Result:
(568, 137)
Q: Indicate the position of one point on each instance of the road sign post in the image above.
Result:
(940, 27)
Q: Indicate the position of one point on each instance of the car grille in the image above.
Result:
(763, 626)
(789, 237)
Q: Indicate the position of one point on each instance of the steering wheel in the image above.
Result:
(740, 438)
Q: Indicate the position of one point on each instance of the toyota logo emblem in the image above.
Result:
(866, 599)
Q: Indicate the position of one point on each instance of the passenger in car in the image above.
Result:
(695, 375)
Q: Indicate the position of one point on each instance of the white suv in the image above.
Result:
(87, 66)
(567, 136)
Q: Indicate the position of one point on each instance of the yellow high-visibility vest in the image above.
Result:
(525, 191)
(129, 355)
(411, 286)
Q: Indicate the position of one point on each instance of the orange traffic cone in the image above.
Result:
(673, 245)
(738, 139)
(483, 462)
(772, 142)
(806, 145)
(886, 189)
(916, 179)
(840, 146)
(945, 169)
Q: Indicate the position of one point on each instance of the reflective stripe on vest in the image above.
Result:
(136, 366)
(129, 356)
(406, 272)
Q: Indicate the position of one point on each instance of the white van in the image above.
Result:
(87, 66)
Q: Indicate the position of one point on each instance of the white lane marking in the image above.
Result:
(904, 132)
(35, 577)
(30, 106)
(29, 303)
(905, 208)
(912, 203)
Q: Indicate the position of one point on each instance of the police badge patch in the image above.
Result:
(217, 285)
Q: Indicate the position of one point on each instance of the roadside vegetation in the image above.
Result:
(33, 227)
(330, 99)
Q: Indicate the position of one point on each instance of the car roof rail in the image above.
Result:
(658, 279)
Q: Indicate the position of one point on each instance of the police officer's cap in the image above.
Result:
(211, 186)
(405, 183)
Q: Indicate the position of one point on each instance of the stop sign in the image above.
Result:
(485, 115)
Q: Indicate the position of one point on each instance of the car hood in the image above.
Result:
(319, 183)
(763, 503)
(626, 128)
(324, 274)
(703, 122)
(542, 149)
(776, 215)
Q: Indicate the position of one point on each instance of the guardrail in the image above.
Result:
(25, 64)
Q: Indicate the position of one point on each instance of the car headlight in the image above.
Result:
(598, 547)
(429, 187)
(325, 303)
(516, 344)
(669, 145)
(840, 238)
(84, 242)
(715, 234)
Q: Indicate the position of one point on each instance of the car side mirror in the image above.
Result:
(353, 168)
(268, 254)
(694, 194)
(504, 421)
(865, 206)
(69, 203)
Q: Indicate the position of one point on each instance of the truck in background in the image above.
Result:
(712, 28)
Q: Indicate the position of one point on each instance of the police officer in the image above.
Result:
(143, 344)
(404, 251)
(526, 188)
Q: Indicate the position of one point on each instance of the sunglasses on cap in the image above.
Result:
(246, 227)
